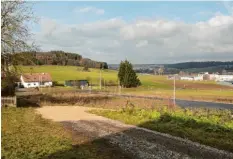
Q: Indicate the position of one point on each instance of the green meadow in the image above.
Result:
(62, 73)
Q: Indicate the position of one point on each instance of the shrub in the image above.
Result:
(86, 69)
(55, 83)
(8, 85)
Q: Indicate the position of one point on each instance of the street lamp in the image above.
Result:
(101, 77)
(174, 91)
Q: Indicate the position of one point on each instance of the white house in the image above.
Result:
(213, 76)
(186, 78)
(198, 78)
(192, 78)
(30, 80)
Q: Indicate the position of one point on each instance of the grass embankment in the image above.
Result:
(188, 94)
(209, 127)
(26, 134)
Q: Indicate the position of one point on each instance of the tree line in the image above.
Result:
(57, 58)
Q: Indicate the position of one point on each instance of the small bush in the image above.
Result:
(55, 83)
(86, 69)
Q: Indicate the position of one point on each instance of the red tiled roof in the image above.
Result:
(37, 77)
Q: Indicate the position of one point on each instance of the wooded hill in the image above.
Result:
(57, 58)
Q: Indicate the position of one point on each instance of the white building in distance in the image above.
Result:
(224, 78)
(186, 78)
(33, 80)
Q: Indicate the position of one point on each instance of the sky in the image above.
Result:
(141, 32)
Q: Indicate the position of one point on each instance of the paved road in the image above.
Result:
(137, 142)
(186, 103)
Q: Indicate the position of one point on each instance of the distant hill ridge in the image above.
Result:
(188, 65)
(58, 58)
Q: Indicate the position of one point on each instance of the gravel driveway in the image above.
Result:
(140, 143)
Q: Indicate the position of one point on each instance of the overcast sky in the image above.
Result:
(142, 32)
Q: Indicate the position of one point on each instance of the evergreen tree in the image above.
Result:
(121, 73)
(127, 75)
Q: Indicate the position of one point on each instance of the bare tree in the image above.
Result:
(15, 37)
(15, 17)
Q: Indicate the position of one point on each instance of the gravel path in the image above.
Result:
(140, 143)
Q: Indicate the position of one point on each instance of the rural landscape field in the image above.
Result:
(116, 80)
(155, 85)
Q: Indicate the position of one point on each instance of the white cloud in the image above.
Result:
(90, 10)
(142, 41)
(220, 20)
(48, 25)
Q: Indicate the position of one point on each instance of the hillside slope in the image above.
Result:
(57, 58)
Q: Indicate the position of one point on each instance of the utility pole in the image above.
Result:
(100, 78)
(39, 82)
(174, 91)
(119, 87)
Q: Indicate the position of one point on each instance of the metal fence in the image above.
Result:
(9, 101)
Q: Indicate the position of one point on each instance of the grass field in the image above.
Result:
(62, 73)
(209, 127)
(26, 135)
(151, 84)
(189, 94)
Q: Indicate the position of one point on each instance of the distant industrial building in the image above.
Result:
(203, 76)
(224, 78)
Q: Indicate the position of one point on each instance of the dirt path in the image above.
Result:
(137, 142)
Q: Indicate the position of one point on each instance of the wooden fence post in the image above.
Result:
(15, 101)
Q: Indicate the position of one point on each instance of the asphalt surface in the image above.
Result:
(187, 103)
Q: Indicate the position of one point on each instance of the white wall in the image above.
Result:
(198, 78)
(30, 84)
(47, 84)
(186, 78)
